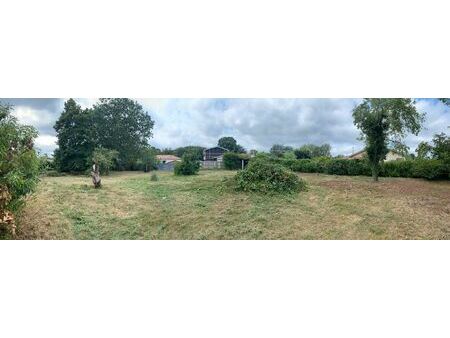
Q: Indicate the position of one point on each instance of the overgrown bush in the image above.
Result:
(262, 175)
(154, 177)
(233, 161)
(189, 165)
(19, 164)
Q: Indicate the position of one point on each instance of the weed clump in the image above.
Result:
(154, 177)
(265, 176)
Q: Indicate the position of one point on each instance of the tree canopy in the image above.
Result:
(116, 124)
(384, 121)
(230, 143)
(279, 149)
(313, 151)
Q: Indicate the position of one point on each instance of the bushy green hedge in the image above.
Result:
(189, 165)
(263, 175)
(233, 161)
(418, 168)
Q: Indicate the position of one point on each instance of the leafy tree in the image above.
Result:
(423, 150)
(123, 125)
(230, 143)
(196, 150)
(149, 160)
(189, 165)
(446, 101)
(105, 159)
(19, 164)
(75, 132)
(279, 149)
(313, 151)
(382, 121)
(441, 147)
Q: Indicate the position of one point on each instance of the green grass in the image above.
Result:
(132, 206)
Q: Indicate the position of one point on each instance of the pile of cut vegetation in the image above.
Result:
(262, 175)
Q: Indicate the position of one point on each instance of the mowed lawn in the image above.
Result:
(130, 206)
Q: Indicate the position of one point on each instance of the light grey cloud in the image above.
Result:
(255, 123)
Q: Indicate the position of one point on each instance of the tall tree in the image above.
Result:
(382, 121)
(279, 149)
(75, 132)
(123, 125)
(230, 143)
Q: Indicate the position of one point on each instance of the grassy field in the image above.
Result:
(130, 206)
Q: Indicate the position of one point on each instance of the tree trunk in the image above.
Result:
(96, 180)
(375, 174)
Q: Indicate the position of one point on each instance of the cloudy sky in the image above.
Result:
(255, 123)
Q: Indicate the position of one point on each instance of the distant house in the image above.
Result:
(214, 154)
(213, 158)
(167, 162)
(392, 155)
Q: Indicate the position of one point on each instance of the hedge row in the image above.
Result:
(429, 169)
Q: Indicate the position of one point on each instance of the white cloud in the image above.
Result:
(255, 123)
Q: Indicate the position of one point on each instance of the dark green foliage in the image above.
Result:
(397, 168)
(123, 125)
(383, 121)
(279, 150)
(117, 124)
(195, 150)
(418, 168)
(430, 169)
(19, 164)
(313, 151)
(233, 161)
(189, 165)
(262, 175)
(76, 134)
(45, 164)
(230, 144)
(105, 158)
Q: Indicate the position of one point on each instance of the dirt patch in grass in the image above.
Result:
(131, 206)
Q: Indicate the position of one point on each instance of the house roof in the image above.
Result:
(364, 150)
(215, 148)
(167, 157)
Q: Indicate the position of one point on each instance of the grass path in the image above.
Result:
(130, 206)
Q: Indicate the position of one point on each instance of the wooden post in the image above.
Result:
(242, 161)
(96, 180)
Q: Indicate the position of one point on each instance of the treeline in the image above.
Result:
(114, 131)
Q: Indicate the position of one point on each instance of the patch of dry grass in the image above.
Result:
(131, 206)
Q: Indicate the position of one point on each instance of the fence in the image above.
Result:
(211, 164)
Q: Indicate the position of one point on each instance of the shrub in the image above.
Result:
(154, 177)
(233, 161)
(262, 175)
(430, 169)
(397, 168)
(19, 165)
(189, 165)
(337, 167)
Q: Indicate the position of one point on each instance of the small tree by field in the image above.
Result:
(19, 165)
(105, 159)
(382, 121)
(189, 165)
